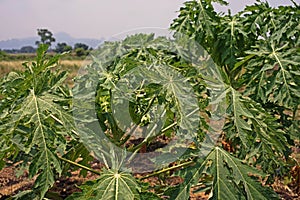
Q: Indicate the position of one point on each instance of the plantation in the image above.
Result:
(213, 110)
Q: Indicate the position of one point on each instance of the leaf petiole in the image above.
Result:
(79, 165)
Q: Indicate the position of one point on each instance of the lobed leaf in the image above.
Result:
(110, 185)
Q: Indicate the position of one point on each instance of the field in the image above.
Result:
(71, 66)
(212, 113)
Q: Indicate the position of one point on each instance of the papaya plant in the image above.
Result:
(240, 70)
(260, 138)
(37, 126)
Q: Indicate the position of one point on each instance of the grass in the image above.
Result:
(8, 66)
(71, 66)
(30, 56)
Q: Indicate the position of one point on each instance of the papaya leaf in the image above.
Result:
(232, 179)
(110, 185)
(36, 117)
(251, 127)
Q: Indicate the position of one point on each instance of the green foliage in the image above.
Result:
(145, 82)
(46, 37)
(258, 52)
(81, 49)
(110, 185)
(2, 54)
(255, 134)
(27, 49)
(273, 71)
(232, 179)
(80, 52)
(36, 118)
(62, 47)
(140, 71)
(81, 45)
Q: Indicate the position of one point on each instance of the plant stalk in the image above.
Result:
(168, 169)
(150, 138)
(79, 165)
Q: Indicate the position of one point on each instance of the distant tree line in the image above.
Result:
(46, 37)
(79, 49)
(25, 49)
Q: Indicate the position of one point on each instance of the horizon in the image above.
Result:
(64, 33)
(18, 43)
(96, 18)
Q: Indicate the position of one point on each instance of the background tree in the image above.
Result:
(46, 37)
(80, 52)
(27, 49)
(81, 45)
(62, 47)
(81, 49)
(2, 54)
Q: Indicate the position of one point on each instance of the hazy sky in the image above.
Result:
(92, 18)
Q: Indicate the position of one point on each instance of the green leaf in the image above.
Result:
(240, 111)
(36, 118)
(110, 185)
(232, 179)
(47, 162)
(231, 175)
(198, 20)
(272, 75)
(253, 129)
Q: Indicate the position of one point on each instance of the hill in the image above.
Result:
(17, 43)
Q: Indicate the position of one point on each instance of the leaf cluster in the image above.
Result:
(36, 119)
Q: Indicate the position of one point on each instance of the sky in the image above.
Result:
(93, 18)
